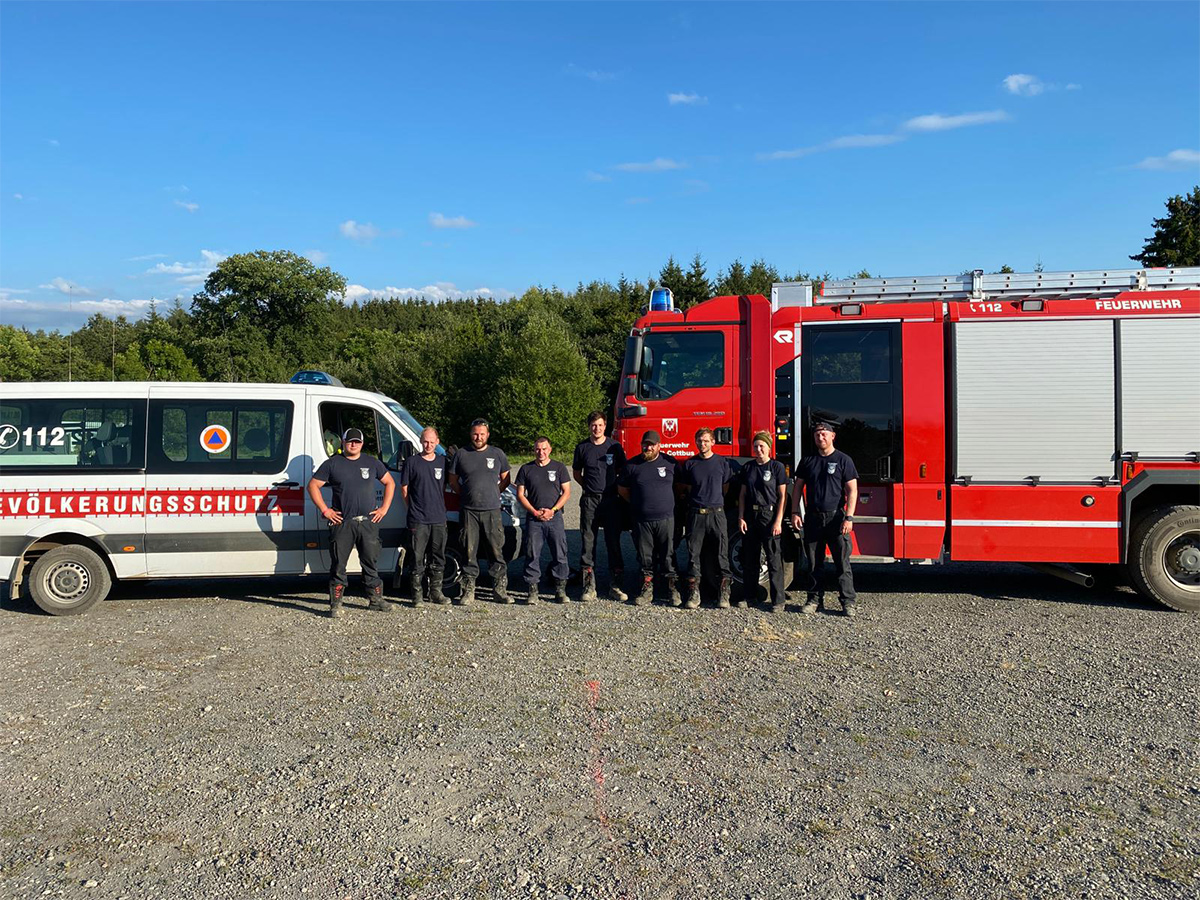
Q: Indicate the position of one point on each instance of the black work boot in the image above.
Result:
(778, 606)
(849, 608)
(435, 588)
(532, 596)
(691, 595)
(468, 591)
(615, 592)
(560, 590)
(723, 596)
(589, 585)
(335, 600)
(377, 603)
(646, 595)
(812, 604)
(500, 586)
(418, 594)
(673, 592)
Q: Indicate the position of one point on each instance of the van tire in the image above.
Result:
(1163, 557)
(68, 580)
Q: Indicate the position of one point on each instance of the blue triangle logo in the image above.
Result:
(215, 439)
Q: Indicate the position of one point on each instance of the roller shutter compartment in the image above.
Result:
(1160, 387)
(1035, 398)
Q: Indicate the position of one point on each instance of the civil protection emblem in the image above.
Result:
(366, 473)
(662, 471)
(830, 468)
(491, 463)
(437, 472)
(670, 428)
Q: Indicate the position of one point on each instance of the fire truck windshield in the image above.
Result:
(667, 362)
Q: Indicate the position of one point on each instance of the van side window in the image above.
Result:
(381, 439)
(238, 437)
(66, 434)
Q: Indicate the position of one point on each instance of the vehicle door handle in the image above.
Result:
(285, 484)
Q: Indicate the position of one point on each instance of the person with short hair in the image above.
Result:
(543, 488)
(829, 481)
(423, 487)
(353, 517)
(760, 519)
(597, 466)
(648, 483)
(706, 476)
(478, 474)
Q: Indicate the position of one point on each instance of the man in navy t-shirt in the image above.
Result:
(423, 487)
(829, 478)
(648, 483)
(353, 517)
(706, 477)
(597, 465)
(479, 473)
(543, 488)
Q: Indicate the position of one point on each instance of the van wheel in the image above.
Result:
(452, 573)
(1164, 557)
(69, 580)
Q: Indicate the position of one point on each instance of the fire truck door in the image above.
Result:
(851, 374)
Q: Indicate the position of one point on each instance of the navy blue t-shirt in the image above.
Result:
(543, 484)
(825, 478)
(763, 481)
(651, 486)
(353, 482)
(707, 479)
(426, 481)
(479, 474)
(601, 465)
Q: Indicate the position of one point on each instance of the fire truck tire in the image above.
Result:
(1164, 557)
(735, 565)
(68, 580)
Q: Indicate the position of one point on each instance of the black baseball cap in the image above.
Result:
(824, 425)
(352, 434)
(651, 437)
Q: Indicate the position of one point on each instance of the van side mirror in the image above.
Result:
(406, 450)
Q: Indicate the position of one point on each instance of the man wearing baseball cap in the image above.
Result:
(648, 483)
(829, 481)
(353, 517)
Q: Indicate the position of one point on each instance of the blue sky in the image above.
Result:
(460, 147)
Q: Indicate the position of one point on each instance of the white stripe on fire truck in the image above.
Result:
(1032, 523)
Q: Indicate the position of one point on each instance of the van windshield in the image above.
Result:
(407, 418)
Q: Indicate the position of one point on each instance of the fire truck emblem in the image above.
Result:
(670, 428)
(662, 471)
(366, 472)
(491, 463)
(437, 473)
(830, 468)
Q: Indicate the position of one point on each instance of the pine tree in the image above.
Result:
(1176, 238)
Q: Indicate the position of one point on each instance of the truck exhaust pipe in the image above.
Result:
(1064, 572)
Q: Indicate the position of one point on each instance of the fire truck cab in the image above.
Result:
(1044, 418)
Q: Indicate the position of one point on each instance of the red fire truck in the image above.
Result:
(1049, 418)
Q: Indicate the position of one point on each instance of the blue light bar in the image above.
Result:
(662, 300)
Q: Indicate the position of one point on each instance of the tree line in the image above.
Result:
(536, 364)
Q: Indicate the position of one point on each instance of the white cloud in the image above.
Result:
(1024, 85)
(686, 99)
(70, 288)
(658, 164)
(53, 142)
(437, 292)
(18, 196)
(58, 315)
(356, 232)
(437, 220)
(146, 256)
(846, 142)
(111, 307)
(1175, 161)
(596, 176)
(938, 122)
(316, 256)
(190, 273)
(591, 74)
(190, 207)
(1073, 87)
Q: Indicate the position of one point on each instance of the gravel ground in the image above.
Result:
(976, 731)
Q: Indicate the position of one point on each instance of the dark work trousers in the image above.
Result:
(707, 526)
(821, 530)
(429, 550)
(358, 532)
(482, 530)
(598, 511)
(655, 541)
(539, 534)
(756, 541)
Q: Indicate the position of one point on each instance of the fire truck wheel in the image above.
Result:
(735, 566)
(68, 580)
(1164, 557)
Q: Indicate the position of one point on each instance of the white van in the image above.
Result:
(102, 481)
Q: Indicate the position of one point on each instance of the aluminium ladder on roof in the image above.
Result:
(977, 285)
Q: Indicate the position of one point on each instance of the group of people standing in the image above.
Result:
(652, 483)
